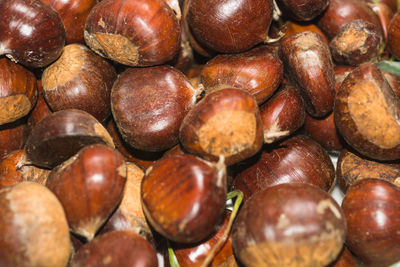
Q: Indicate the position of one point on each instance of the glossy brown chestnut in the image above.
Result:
(79, 79)
(134, 33)
(18, 91)
(183, 197)
(12, 136)
(61, 135)
(371, 209)
(309, 65)
(73, 14)
(283, 114)
(149, 104)
(394, 36)
(89, 186)
(296, 160)
(225, 122)
(289, 225)
(259, 71)
(352, 168)
(229, 26)
(31, 32)
(119, 248)
(303, 10)
(367, 113)
(33, 229)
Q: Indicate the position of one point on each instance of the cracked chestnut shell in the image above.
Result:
(289, 225)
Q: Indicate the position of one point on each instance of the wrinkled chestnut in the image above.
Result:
(183, 197)
(79, 79)
(89, 186)
(289, 225)
(225, 122)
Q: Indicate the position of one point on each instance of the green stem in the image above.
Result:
(239, 198)
(173, 261)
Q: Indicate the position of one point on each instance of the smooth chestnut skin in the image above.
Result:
(31, 32)
(89, 186)
(309, 65)
(371, 208)
(352, 168)
(229, 26)
(18, 91)
(33, 229)
(297, 160)
(135, 33)
(225, 122)
(289, 225)
(259, 71)
(367, 113)
(12, 136)
(304, 10)
(61, 135)
(341, 12)
(183, 197)
(73, 14)
(79, 79)
(149, 104)
(393, 42)
(283, 114)
(119, 248)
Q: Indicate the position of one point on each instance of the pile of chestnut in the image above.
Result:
(199, 133)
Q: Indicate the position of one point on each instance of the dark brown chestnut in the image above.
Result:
(225, 122)
(149, 104)
(259, 71)
(119, 248)
(303, 10)
(183, 197)
(79, 79)
(31, 32)
(394, 36)
(367, 113)
(134, 33)
(89, 186)
(289, 225)
(371, 209)
(297, 160)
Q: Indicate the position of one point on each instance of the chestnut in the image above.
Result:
(289, 225)
(79, 79)
(291, 27)
(303, 10)
(393, 41)
(149, 104)
(34, 230)
(225, 122)
(31, 32)
(135, 33)
(183, 197)
(367, 112)
(39, 112)
(12, 136)
(298, 159)
(89, 186)
(371, 209)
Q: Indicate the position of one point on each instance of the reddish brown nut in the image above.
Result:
(303, 10)
(119, 248)
(385, 15)
(134, 33)
(308, 61)
(296, 160)
(79, 79)
(352, 168)
(18, 91)
(258, 71)
(73, 14)
(392, 4)
(357, 42)
(39, 112)
(12, 136)
(371, 209)
(367, 113)
(393, 42)
(229, 26)
(89, 186)
(225, 122)
(183, 197)
(289, 225)
(283, 114)
(149, 104)
(33, 230)
(31, 32)
(61, 135)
